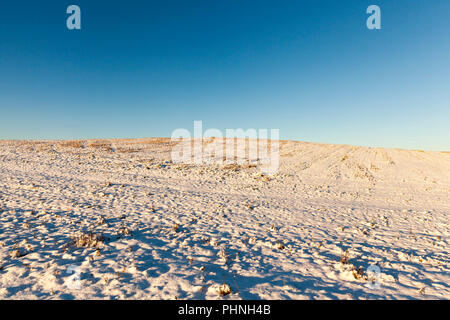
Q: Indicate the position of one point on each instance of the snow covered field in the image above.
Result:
(133, 225)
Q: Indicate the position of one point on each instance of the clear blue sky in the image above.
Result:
(310, 68)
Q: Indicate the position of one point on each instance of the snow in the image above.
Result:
(124, 222)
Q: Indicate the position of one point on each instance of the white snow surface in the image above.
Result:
(135, 225)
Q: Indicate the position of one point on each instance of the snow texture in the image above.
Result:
(117, 219)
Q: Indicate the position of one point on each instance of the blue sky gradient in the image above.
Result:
(310, 68)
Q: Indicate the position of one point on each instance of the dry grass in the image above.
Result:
(175, 227)
(224, 290)
(87, 240)
(279, 245)
(17, 253)
(358, 273)
(128, 150)
(101, 145)
(77, 144)
(250, 205)
(237, 167)
(232, 167)
(345, 257)
(125, 231)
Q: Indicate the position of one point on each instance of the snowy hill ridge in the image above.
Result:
(136, 225)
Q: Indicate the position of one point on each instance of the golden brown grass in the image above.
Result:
(78, 144)
(224, 290)
(87, 240)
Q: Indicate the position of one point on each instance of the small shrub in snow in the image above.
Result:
(87, 240)
(224, 290)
